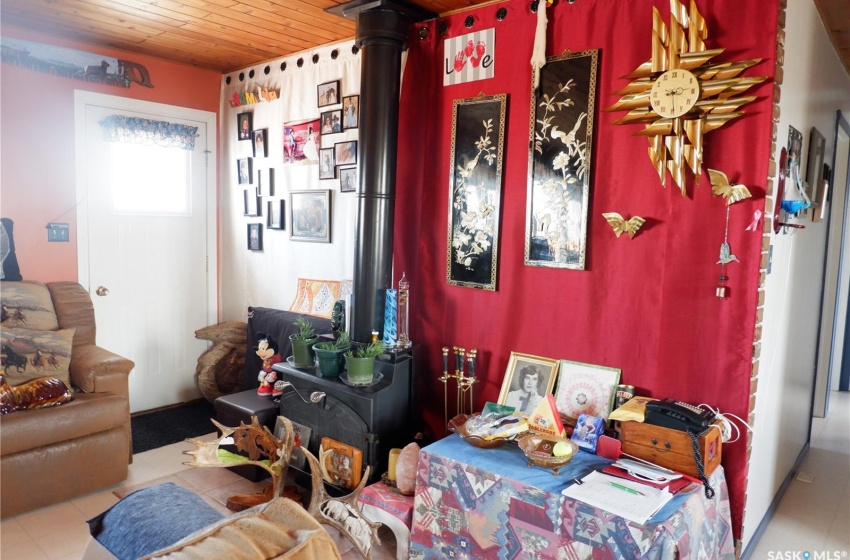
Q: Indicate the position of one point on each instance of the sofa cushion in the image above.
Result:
(88, 413)
(27, 304)
(29, 354)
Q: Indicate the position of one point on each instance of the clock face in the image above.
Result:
(674, 93)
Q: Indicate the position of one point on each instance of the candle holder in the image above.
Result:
(464, 377)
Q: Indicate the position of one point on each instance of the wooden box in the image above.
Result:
(669, 448)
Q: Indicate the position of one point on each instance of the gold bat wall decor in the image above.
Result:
(620, 225)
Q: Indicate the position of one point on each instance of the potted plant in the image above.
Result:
(302, 343)
(360, 362)
(330, 354)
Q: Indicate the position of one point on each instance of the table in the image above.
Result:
(489, 504)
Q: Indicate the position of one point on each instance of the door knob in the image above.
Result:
(102, 291)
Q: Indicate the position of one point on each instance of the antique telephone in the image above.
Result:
(685, 417)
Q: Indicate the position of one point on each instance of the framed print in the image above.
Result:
(475, 191)
(270, 188)
(328, 93)
(814, 171)
(245, 166)
(310, 216)
(345, 153)
(252, 202)
(244, 125)
(527, 381)
(301, 142)
(331, 121)
(586, 389)
(327, 167)
(302, 439)
(561, 133)
(255, 237)
(341, 464)
(348, 179)
(261, 148)
(275, 214)
(350, 111)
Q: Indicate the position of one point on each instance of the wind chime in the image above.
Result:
(464, 380)
(720, 186)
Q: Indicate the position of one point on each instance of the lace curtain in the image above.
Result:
(134, 130)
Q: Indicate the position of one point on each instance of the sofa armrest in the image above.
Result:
(95, 370)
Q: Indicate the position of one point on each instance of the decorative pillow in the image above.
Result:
(38, 393)
(317, 297)
(29, 354)
(27, 305)
(8, 260)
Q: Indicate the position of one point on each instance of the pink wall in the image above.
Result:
(37, 163)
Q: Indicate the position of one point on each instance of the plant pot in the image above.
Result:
(302, 352)
(331, 362)
(360, 370)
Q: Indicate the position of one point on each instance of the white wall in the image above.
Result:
(269, 278)
(815, 86)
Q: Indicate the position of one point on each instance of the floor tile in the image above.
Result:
(12, 534)
(95, 504)
(24, 551)
(50, 520)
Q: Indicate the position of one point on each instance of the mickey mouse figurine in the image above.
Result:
(267, 350)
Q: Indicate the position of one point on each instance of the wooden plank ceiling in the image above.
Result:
(226, 35)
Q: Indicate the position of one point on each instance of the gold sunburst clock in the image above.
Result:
(680, 94)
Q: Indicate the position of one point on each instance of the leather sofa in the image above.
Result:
(49, 455)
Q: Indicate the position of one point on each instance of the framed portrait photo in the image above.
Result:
(244, 126)
(350, 111)
(252, 202)
(245, 169)
(528, 379)
(327, 167)
(348, 179)
(260, 143)
(328, 93)
(275, 214)
(255, 237)
(301, 142)
(341, 464)
(310, 216)
(331, 121)
(345, 153)
(586, 389)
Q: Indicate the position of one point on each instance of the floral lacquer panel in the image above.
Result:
(475, 191)
(561, 132)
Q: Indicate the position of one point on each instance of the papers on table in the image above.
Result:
(630, 500)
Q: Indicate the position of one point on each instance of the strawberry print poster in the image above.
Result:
(469, 57)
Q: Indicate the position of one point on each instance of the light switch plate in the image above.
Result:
(57, 233)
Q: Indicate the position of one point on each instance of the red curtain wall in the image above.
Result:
(645, 305)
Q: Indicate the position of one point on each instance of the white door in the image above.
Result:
(147, 246)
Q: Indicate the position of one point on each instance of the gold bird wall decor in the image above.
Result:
(680, 94)
(620, 225)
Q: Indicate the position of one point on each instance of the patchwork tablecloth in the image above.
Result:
(489, 504)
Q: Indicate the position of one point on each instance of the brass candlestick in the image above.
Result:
(444, 380)
(460, 354)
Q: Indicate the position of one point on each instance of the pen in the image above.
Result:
(626, 488)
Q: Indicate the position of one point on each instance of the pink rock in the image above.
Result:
(405, 470)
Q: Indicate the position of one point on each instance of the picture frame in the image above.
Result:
(350, 112)
(587, 431)
(301, 436)
(310, 216)
(559, 161)
(252, 202)
(327, 164)
(331, 121)
(276, 214)
(345, 153)
(255, 237)
(520, 367)
(301, 142)
(327, 93)
(475, 191)
(244, 125)
(260, 143)
(245, 171)
(341, 464)
(814, 172)
(586, 389)
(348, 180)
(271, 182)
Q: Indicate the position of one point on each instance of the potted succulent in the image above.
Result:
(302, 343)
(360, 362)
(330, 354)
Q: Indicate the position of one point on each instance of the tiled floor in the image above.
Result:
(813, 516)
(60, 532)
